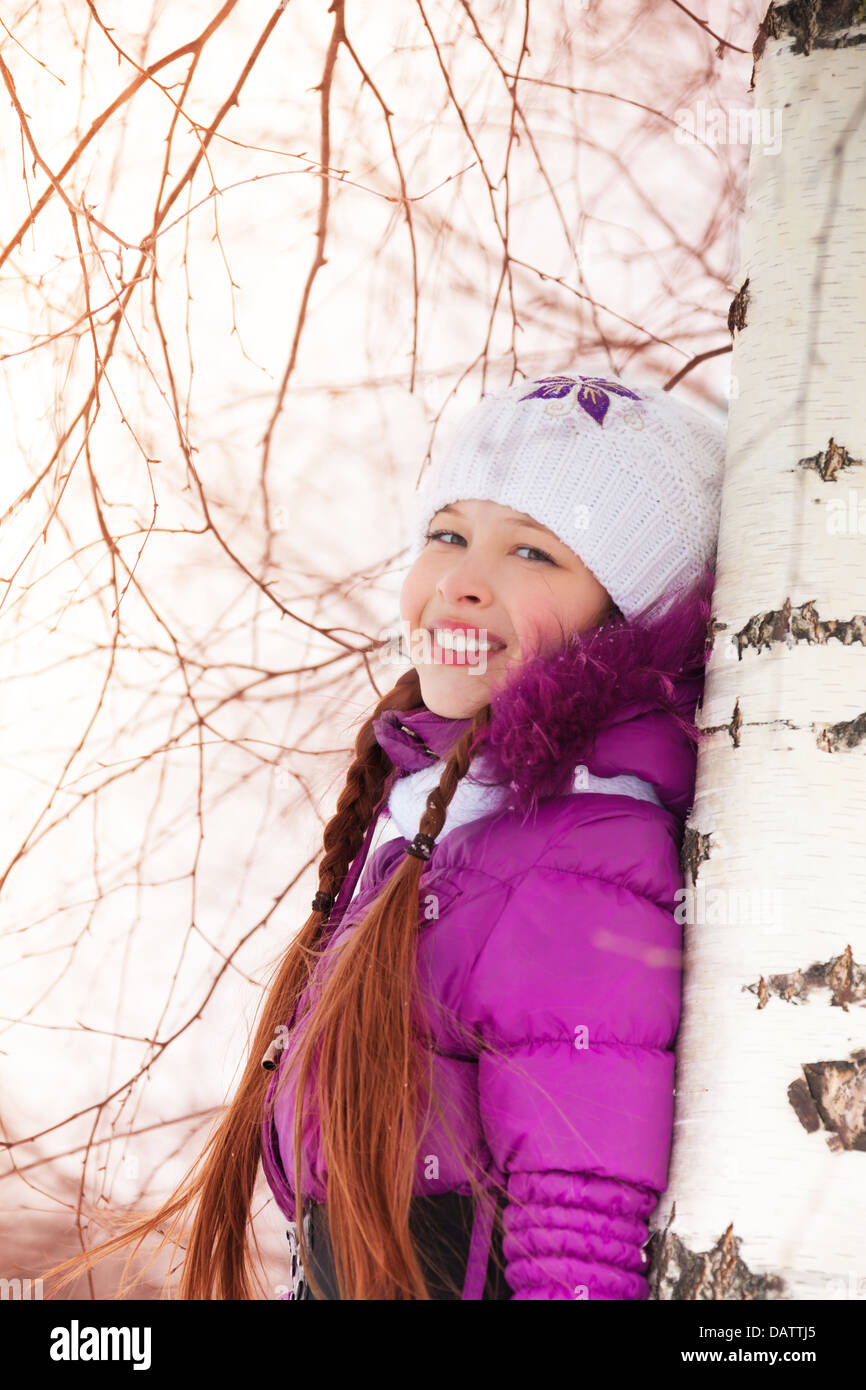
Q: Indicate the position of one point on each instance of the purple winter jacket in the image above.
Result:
(556, 945)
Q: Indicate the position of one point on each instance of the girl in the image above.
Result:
(462, 1084)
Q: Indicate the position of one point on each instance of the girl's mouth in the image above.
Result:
(454, 647)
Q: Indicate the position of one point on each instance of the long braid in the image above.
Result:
(361, 1048)
(365, 781)
(344, 833)
(456, 766)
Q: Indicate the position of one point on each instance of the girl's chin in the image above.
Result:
(454, 692)
(453, 677)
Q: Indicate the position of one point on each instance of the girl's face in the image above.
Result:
(504, 579)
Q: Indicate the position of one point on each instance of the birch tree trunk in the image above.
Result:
(767, 1183)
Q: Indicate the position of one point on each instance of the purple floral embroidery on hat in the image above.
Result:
(591, 394)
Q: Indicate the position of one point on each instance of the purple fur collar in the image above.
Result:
(571, 707)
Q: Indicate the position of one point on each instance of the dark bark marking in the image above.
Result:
(733, 726)
(676, 1273)
(695, 849)
(836, 1098)
(737, 311)
(847, 980)
(828, 462)
(736, 724)
(816, 24)
(713, 626)
(763, 629)
(848, 733)
(845, 630)
(790, 625)
(841, 975)
(804, 1107)
(767, 29)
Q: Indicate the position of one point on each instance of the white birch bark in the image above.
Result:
(762, 1205)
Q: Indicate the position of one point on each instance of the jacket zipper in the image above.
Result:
(418, 739)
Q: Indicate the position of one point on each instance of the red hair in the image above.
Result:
(362, 1023)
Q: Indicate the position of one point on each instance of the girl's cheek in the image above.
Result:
(408, 606)
(413, 584)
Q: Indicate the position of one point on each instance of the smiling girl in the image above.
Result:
(552, 591)
(462, 1083)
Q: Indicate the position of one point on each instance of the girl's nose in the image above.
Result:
(465, 579)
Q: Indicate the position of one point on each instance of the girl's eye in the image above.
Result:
(548, 559)
(545, 558)
(436, 535)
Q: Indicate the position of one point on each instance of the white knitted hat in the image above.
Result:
(626, 476)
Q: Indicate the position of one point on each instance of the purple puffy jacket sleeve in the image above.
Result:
(575, 1002)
